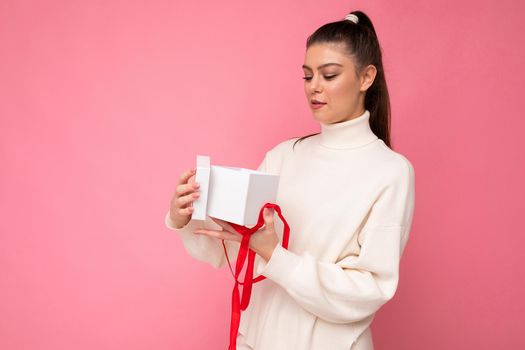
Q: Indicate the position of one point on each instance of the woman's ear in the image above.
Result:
(367, 77)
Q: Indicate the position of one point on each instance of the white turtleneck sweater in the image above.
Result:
(349, 201)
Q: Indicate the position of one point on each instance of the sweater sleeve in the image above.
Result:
(205, 248)
(355, 286)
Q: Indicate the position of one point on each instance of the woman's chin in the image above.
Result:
(321, 118)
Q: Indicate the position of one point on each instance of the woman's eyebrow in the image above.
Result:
(323, 65)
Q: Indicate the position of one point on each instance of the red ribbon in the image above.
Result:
(237, 303)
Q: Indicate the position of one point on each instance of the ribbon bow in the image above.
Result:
(237, 303)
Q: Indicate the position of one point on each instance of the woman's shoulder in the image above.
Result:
(275, 155)
(393, 162)
(283, 146)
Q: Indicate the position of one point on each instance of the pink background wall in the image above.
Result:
(103, 104)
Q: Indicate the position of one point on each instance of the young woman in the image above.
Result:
(346, 195)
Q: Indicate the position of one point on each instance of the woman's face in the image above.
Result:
(330, 78)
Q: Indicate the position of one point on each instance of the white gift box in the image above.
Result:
(232, 194)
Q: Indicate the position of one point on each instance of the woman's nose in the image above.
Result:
(315, 85)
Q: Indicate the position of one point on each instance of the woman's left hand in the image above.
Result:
(262, 242)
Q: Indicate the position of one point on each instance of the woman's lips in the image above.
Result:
(317, 105)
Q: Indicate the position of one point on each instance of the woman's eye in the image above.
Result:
(327, 77)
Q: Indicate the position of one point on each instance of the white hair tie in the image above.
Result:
(352, 17)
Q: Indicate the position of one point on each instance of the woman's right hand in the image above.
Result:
(186, 192)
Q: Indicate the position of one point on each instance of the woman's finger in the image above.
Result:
(268, 218)
(219, 234)
(186, 211)
(188, 199)
(186, 176)
(224, 224)
(186, 188)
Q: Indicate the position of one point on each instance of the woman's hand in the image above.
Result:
(262, 242)
(181, 207)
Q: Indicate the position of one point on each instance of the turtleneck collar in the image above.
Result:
(348, 134)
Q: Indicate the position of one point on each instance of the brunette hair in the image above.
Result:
(360, 41)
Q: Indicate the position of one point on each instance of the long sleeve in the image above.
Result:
(355, 286)
(205, 248)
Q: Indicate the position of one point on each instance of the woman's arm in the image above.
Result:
(205, 248)
(356, 286)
